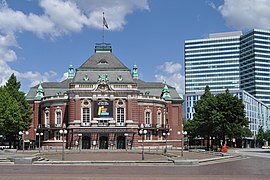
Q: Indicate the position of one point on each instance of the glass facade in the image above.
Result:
(214, 62)
(240, 63)
(257, 112)
(255, 64)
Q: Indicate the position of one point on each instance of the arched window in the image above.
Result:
(85, 112)
(58, 117)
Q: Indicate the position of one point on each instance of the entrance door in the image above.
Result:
(103, 142)
(121, 142)
(85, 142)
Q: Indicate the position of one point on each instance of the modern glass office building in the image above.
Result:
(213, 61)
(255, 64)
(240, 63)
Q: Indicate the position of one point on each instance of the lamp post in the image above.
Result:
(182, 134)
(22, 133)
(142, 132)
(126, 135)
(80, 142)
(39, 134)
(62, 132)
(165, 134)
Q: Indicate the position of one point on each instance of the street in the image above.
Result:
(247, 168)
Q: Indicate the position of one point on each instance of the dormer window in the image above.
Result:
(102, 61)
(120, 78)
(85, 78)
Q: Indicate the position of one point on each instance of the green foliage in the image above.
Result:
(218, 116)
(263, 137)
(15, 112)
(9, 113)
(205, 116)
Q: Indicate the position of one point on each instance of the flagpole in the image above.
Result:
(103, 28)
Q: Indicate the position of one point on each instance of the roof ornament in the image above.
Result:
(71, 72)
(40, 92)
(165, 92)
(135, 74)
(103, 78)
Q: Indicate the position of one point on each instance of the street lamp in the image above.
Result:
(183, 133)
(63, 132)
(39, 134)
(126, 135)
(142, 132)
(165, 134)
(79, 141)
(22, 133)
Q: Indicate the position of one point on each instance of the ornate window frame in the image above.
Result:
(46, 117)
(58, 120)
(120, 118)
(86, 116)
(159, 117)
(148, 117)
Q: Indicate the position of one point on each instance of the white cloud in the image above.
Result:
(64, 77)
(36, 77)
(7, 54)
(59, 17)
(17, 21)
(246, 14)
(170, 72)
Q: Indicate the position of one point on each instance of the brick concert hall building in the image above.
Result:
(102, 105)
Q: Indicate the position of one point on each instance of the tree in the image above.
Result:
(15, 110)
(13, 88)
(206, 117)
(233, 121)
(10, 117)
(219, 116)
(261, 137)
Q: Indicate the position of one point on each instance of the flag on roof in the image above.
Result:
(105, 23)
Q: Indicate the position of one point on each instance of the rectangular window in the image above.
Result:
(57, 135)
(159, 118)
(148, 136)
(58, 117)
(120, 115)
(147, 118)
(47, 120)
(86, 115)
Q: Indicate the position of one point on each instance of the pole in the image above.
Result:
(182, 148)
(142, 149)
(23, 141)
(39, 142)
(63, 148)
(103, 28)
(165, 150)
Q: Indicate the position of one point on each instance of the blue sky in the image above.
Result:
(40, 38)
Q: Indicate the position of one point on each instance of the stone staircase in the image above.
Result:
(5, 160)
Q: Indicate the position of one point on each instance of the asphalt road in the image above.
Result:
(244, 169)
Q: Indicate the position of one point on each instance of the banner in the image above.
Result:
(103, 109)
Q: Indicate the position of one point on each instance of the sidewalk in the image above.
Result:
(117, 157)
